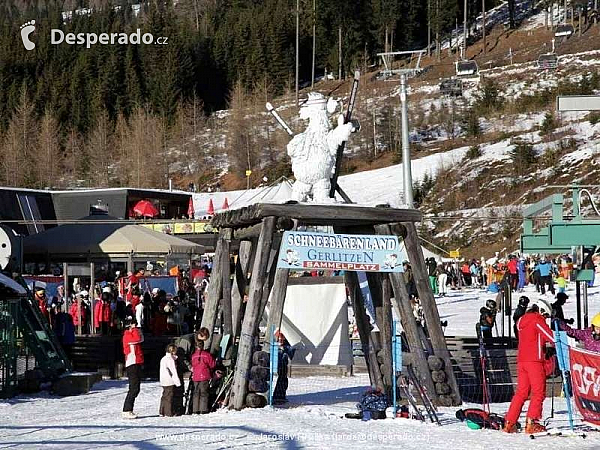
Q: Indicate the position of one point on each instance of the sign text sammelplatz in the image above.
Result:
(321, 251)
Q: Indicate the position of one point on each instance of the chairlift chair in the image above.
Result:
(564, 30)
(466, 68)
(547, 61)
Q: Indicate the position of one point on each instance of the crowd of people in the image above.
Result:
(104, 311)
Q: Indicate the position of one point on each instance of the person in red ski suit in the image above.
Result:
(534, 334)
(134, 358)
(103, 314)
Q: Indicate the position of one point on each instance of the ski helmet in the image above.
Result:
(523, 301)
(596, 320)
(540, 306)
(491, 305)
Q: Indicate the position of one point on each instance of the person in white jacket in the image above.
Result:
(168, 380)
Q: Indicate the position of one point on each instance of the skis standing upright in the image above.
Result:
(342, 146)
(486, 397)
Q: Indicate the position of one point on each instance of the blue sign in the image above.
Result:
(321, 251)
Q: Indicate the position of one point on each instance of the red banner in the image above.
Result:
(585, 374)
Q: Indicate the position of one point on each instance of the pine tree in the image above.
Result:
(49, 151)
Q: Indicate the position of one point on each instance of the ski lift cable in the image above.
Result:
(433, 245)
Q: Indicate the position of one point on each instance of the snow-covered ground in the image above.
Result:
(313, 418)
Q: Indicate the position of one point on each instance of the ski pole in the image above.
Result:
(279, 119)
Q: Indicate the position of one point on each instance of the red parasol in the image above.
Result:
(211, 208)
(225, 204)
(145, 209)
(190, 212)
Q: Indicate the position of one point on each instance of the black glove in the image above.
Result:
(570, 321)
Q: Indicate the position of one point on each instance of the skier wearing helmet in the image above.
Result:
(520, 312)
(534, 334)
(590, 337)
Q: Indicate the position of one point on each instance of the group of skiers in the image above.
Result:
(187, 354)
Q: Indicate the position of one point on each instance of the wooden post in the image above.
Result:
(364, 329)
(251, 316)
(401, 303)
(226, 289)
(239, 285)
(272, 267)
(215, 287)
(430, 311)
(278, 298)
(381, 292)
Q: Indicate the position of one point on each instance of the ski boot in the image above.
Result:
(533, 426)
(510, 427)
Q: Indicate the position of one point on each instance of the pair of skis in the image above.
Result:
(423, 396)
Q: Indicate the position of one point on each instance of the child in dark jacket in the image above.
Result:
(203, 364)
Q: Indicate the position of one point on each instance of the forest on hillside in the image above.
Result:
(111, 115)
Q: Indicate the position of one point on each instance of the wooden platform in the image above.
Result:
(314, 214)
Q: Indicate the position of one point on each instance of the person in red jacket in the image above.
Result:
(534, 334)
(40, 298)
(103, 313)
(203, 364)
(74, 311)
(513, 268)
(134, 358)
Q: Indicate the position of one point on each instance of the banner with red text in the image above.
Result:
(585, 374)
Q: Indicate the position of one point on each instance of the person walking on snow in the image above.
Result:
(134, 358)
(522, 270)
(442, 279)
(432, 272)
(545, 268)
(168, 380)
(534, 334)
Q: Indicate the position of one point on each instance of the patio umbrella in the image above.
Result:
(211, 208)
(225, 204)
(145, 209)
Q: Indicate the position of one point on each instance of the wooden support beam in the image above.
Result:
(312, 214)
(226, 290)
(239, 285)
(215, 287)
(364, 329)
(430, 311)
(268, 282)
(278, 298)
(251, 232)
(401, 303)
(381, 292)
(251, 315)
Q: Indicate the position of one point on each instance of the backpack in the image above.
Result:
(478, 418)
